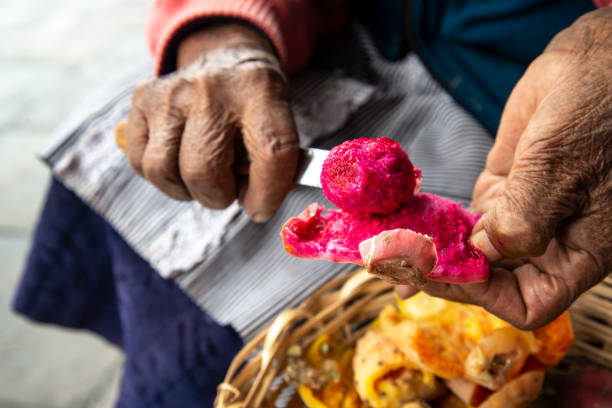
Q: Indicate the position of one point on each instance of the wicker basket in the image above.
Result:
(347, 303)
(592, 321)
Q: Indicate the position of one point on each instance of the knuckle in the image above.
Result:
(545, 298)
(154, 169)
(264, 75)
(267, 82)
(159, 161)
(516, 239)
(141, 92)
(181, 93)
(200, 179)
(214, 203)
(516, 229)
(275, 149)
(212, 189)
(204, 188)
(527, 325)
(211, 196)
(273, 131)
(535, 320)
(195, 176)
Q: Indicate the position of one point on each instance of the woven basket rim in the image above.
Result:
(356, 296)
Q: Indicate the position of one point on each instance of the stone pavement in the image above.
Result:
(52, 55)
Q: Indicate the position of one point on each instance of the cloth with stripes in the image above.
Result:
(237, 270)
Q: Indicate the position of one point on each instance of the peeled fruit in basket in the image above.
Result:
(483, 360)
(441, 343)
(384, 377)
(324, 374)
(384, 223)
(554, 340)
(498, 357)
(430, 352)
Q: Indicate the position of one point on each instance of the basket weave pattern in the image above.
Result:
(592, 320)
(346, 304)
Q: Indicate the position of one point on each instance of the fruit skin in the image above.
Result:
(369, 176)
(335, 236)
(399, 255)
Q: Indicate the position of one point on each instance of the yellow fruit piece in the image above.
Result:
(554, 340)
(435, 334)
(346, 367)
(429, 379)
(452, 401)
(375, 357)
(420, 306)
(308, 397)
(351, 399)
(333, 395)
(318, 351)
(385, 378)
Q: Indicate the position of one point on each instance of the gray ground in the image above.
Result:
(52, 54)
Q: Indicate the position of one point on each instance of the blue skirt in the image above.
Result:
(81, 274)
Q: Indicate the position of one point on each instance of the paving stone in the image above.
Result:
(70, 30)
(105, 393)
(43, 365)
(36, 97)
(23, 180)
(51, 58)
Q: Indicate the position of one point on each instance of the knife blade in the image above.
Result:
(309, 165)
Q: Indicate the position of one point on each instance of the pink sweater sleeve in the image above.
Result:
(602, 3)
(292, 26)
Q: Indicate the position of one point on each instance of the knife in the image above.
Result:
(309, 165)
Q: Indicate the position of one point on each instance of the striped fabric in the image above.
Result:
(237, 270)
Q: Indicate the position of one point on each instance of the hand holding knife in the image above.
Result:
(309, 166)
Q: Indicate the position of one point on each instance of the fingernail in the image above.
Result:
(261, 216)
(481, 241)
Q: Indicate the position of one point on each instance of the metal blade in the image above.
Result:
(310, 165)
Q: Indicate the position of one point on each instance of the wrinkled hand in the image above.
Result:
(220, 127)
(546, 192)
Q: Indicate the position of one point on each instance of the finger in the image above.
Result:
(488, 187)
(206, 157)
(530, 294)
(550, 136)
(581, 252)
(136, 138)
(500, 294)
(481, 241)
(518, 111)
(533, 294)
(160, 162)
(506, 294)
(542, 190)
(241, 168)
(272, 143)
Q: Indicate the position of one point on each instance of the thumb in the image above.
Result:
(547, 181)
(525, 217)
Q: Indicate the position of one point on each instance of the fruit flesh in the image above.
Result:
(369, 176)
(420, 218)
